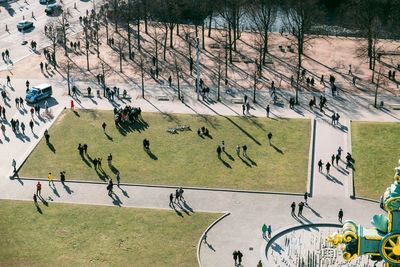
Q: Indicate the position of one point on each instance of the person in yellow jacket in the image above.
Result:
(50, 178)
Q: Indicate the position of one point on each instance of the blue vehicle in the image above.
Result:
(51, 9)
(39, 92)
(22, 25)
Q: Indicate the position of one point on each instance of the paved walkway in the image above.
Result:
(240, 230)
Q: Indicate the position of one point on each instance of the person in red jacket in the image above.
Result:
(38, 189)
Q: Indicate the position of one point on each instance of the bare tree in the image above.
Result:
(52, 34)
(142, 69)
(63, 26)
(178, 70)
(300, 17)
(219, 61)
(121, 44)
(379, 82)
(87, 45)
(263, 14)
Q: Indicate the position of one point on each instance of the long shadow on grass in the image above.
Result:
(225, 163)
(102, 175)
(234, 123)
(151, 155)
(39, 209)
(172, 205)
(229, 156)
(245, 162)
(277, 149)
(251, 161)
(85, 160)
(51, 147)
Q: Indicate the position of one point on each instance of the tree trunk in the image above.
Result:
(197, 33)
(165, 41)
(156, 56)
(69, 86)
(142, 81)
(177, 29)
(373, 70)
(107, 31)
(255, 87)
(209, 26)
(103, 80)
(230, 44)
(145, 24)
(129, 41)
(298, 78)
(171, 28)
(179, 90)
(138, 33)
(202, 35)
(120, 58)
(265, 50)
(370, 52)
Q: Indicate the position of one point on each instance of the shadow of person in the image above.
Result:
(313, 211)
(151, 155)
(116, 200)
(51, 147)
(225, 163)
(209, 245)
(68, 189)
(44, 201)
(277, 149)
(113, 169)
(55, 190)
(245, 162)
(186, 206)
(85, 160)
(124, 192)
(76, 113)
(251, 161)
(109, 137)
(39, 209)
(229, 156)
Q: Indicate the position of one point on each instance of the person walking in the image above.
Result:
(244, 147)
(269, 138)
(293, 206)
(109, 159)
(259, 264)
(337, 118)
(238, 150)
(181, 194)
(235, 256)
(110, 187)
(39, 189)
(350, 73)
(240, 256)
(340, 215)
(72, 104)
(301, 206)
(328, 167)
(62, 177)
(269, 231)
(320, 165)
(243, 108)
(305, 197)
(177, 195)
(35, 200)
(50, 179)
(337, 160)
(23, 128)
(14, 164)
(219, 150)
(118, 178)
(104, 125)
(84, 148)
(333, 159)
(339, 151)
(171, 199)
(223, 145)
(264, 229)
(267, 110)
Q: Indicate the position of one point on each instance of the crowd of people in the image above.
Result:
(127, 114)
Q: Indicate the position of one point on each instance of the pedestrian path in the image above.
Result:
(328, 138)
(249, 211)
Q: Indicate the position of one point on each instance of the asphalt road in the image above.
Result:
(14, 11)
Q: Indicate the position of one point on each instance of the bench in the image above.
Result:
(162, 98)
(87, 95)
(214, 45)
(278, 102)
(395, 106)
(237, 100)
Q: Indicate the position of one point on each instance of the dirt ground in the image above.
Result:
(323, 56)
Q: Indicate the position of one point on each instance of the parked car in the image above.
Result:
(24, 25)
(51, 9)
(39, 92)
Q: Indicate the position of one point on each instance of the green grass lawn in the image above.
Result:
(375, 147)
(83, 235)
(181, 159)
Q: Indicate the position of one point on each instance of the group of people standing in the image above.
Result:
(126, 114)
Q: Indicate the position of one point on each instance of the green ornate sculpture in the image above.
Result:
(381, 242)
